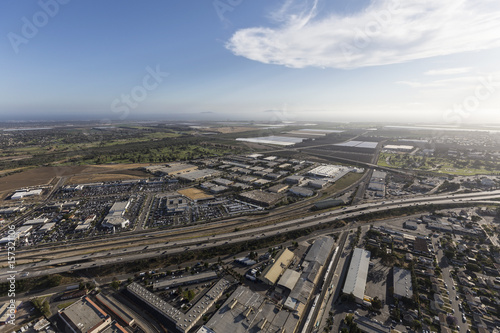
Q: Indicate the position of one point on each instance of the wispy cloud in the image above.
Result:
(456, 82)
(449, 71)
(385, 32)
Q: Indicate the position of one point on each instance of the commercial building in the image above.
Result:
(115, 215)
(246, 311)
(197, 175)
(189, 279)
(37, 221)
(22, 194)
(171, 169)
(170, 315)
(356, 276)
(272, 273)
(320, 250)
(301, 191)
(402, 283)
(411, 225)
(294, 179)
(46, 228)
(279, 188)
(261, 198)
(399, 148)
(84, 316)
(327, 171)
(317, 183)
(288, 281)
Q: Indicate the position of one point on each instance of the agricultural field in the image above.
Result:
(458, 167)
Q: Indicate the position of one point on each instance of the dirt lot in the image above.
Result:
(44, 175)
(194, 194)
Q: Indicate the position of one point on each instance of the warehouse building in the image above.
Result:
(37, 221)
(356, 276)
(272, 273)
(115, 215)
(22, 194)
(190, 279)
(294, 179)
(261, 198)
(301, 191)
(279, 188)
(247, 311)
(327, 171)
(320, 250)
(198, 175)
(402, 283)
(288, 281)
(411, 225)
(171, 169)
(84, 316)
(170, 315)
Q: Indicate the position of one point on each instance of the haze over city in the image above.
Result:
(235, 166)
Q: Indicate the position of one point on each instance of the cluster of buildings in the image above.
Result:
(377, 184)
(85, 316)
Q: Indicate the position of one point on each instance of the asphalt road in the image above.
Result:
(132, 253)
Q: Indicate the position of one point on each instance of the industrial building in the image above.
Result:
(320, 250)
(246, 311)
(46, 228)
(171, 169)
(116, 309)
(399, 148)
(355, 282)
(115, 215)
(37, 221)
(170, 315)
(314, 263)
(326, 171)
(197, 175)
(294, 179)
(317, 183)
(272, 273)
(287, 281)
(301, 191)
(190, 279)
(261, 198)
(279, 188)
(23, 193)
(411, 225)
(84, 316)
(402, 283)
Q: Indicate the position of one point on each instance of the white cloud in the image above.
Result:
(492, 80)
(385, 32)
(449, 71)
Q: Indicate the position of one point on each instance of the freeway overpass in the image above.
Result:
(131, 253)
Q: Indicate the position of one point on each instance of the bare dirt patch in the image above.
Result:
(195, 194)
(44, 175)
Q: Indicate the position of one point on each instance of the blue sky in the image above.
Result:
(385, 60)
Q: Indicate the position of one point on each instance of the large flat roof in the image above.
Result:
(84, 314)
(246, 311)
(190, 279)
(289, 279)
(358, 271)
(272, 272)
(320, 250)
(402, 283)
